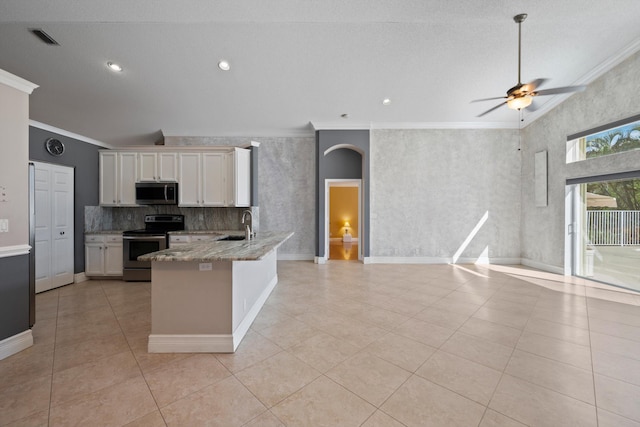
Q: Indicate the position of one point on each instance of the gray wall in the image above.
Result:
(431, 188)
(14, 295)
(342, 163)
(286, 186)
(84, 158)
(609, 98)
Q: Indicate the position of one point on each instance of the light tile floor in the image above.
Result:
(344, 344)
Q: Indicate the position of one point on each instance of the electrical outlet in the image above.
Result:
(4, 225)
(201, 217)
(206, 266)
(129, 217)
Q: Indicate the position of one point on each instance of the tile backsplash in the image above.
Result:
(98, 218)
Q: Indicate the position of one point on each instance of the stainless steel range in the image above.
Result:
(152, 238)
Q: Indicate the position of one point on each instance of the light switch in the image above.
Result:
(4, 225)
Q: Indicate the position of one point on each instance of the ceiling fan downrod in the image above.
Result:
(519, 19)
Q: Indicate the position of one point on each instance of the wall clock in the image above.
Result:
(54, 146)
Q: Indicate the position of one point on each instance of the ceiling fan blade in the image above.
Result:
(489, 99)
(531, 86)
(558, 90)
(534, 106)
(491, 109)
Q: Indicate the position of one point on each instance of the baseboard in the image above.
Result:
(440, 260)
(15, 344)
(80, 277)
(191, 343)
(295, 257)
(542, 266)
(320, 260)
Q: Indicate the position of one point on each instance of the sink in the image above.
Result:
(232, 238)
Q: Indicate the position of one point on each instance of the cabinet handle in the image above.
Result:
(62, 233)
(114, 201)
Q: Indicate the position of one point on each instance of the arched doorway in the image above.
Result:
(341, 156)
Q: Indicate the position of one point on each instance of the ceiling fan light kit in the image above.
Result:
(521, 95)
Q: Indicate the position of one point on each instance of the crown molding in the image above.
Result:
(63, 132)
(412, 125)
(17, 82)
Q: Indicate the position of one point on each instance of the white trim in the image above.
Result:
(17, 82)
(66, 133)
(444, 125)
(264, 133)
(209, 343)
(441, 260)
(9, 251)
(80, 277)
(222, 343)
(244, 326)
(12, 345)
(412, 125)
(542, 266)
(295, 257)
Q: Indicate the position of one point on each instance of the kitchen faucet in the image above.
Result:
(248, 228)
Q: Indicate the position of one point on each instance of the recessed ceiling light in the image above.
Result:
(224, 65)
(114, 66)
(386, 101)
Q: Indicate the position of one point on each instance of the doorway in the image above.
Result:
(54, 199)
(606, 237)
(343, 203)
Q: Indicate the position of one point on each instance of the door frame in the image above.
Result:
(327, 185)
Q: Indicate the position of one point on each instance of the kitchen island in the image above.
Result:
(205, 295)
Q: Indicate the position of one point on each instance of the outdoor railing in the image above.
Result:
(613, 228)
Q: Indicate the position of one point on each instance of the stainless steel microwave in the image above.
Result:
(157, 193)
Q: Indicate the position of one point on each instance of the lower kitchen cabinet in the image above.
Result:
(103, 255)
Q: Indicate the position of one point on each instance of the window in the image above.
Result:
(611, 139)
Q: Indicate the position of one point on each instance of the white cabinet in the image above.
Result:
(103, 255)
(239, 178)
(215, 179)
(210, 177)
(190, 180)
(158, 167)
(118, 174)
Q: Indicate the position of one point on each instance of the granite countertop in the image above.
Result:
(105, 232)
(226, 250)
(211, 232)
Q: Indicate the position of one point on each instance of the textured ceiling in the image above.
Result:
(298, 62)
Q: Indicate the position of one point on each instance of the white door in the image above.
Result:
(54, 225)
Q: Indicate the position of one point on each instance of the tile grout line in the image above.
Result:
(134, 357)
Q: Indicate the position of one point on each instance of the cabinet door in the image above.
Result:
(93, 259)
(189, 188)
(128, 175)
(214, 190)
(113, 259)
(167, 167)
(108, 179)
(148, 167)
(241, 178)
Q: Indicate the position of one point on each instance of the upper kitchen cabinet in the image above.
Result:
(239, 178)
(214, 179)
(158, 167)
(118, 175)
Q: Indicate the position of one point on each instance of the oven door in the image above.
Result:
(134, 246)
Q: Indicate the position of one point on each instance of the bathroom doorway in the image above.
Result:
(343, 229)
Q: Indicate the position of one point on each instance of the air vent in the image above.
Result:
(39, 32)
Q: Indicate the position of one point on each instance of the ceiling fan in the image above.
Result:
(521, 95)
